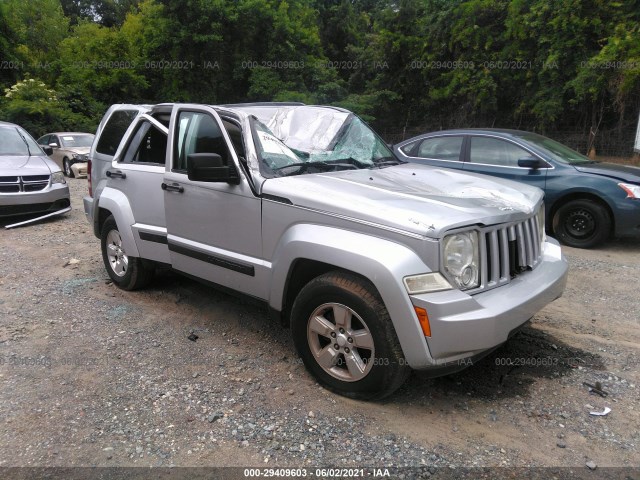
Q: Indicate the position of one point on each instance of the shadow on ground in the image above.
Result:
(507, 372)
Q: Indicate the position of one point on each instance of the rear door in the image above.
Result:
(499, 157)
(214, 228)
(438, 151)
(138, 172)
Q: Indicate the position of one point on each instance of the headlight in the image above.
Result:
(461, 259)
(57, 177)
(427, 282)
(541, 219)
(633, 191)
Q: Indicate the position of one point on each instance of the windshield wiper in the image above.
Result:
(388, 162)
(25, 141)
(304, 166)
(325, 164)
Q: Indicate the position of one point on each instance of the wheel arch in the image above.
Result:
(301, 272)
(306, 251)
(114, 202)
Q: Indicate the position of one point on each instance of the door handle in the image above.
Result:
(172, 188)
(116, 174)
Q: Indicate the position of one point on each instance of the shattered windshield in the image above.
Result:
(354, 146)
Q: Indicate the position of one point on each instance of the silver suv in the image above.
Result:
(377, 265)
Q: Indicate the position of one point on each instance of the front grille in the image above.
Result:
(508, 250)
(26, 183)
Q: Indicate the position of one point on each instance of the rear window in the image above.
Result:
(114, 131)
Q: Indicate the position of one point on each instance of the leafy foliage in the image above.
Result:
(535, 64)
(37, 108)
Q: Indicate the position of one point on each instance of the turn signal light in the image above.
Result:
(423, 318)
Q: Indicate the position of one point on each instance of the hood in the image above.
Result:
(24, 165)
(411, 197)
(78, 150)
(624, 173)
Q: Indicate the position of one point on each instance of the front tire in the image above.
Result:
(582, 224)
(343, 333)
(66, 168)
(128, 273)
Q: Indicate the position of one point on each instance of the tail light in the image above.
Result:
(89, 178)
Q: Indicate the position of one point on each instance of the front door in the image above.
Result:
(214, 228)
(499, 157)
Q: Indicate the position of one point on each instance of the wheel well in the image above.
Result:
(302, 271)
(103, 214)
(579, 196)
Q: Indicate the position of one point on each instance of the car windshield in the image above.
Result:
(76, 141)
(354, 146)
(14, 141)
(556, 150)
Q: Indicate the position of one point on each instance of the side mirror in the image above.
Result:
(532, 162)
(208, 167)
(48, 150)
(54, 144)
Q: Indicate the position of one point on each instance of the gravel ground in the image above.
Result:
(94, 376)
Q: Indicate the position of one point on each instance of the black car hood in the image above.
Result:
(625, 173)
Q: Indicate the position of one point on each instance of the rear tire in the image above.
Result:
(582, 224)
(128, 273)
(343, 333)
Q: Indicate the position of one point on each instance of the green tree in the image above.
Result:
(107, 13)
(37, 27)
(37, 108)
(556, 37)
(100, 64)
(7, 51)
(609, 81)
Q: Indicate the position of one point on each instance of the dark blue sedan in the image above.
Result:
(586, 201)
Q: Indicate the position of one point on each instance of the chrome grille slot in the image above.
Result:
(9, 184)
(27, 183)
(506, 251)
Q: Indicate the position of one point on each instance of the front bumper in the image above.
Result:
(627, 218)
(465, 326)
(79, 168)
(54, 197)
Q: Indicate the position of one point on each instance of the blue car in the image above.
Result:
(586, 201)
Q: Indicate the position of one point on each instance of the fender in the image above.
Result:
(118, 204)
(384, 262)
